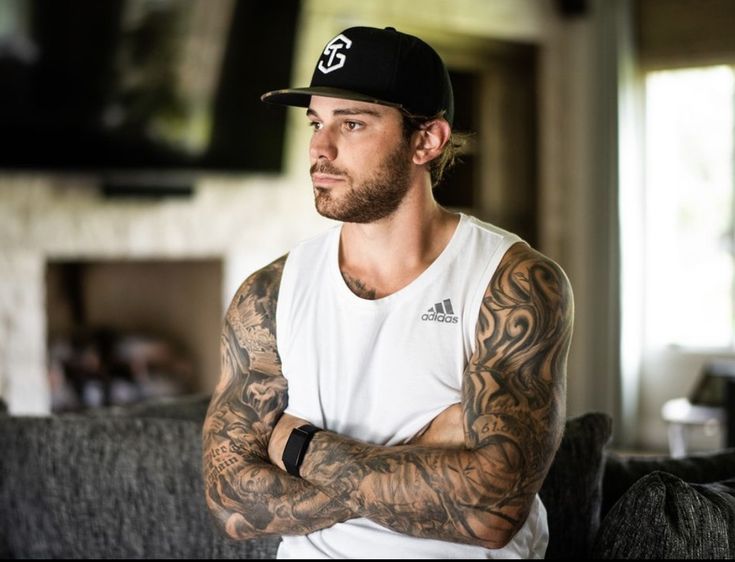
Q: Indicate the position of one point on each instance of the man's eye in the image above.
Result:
(352, 125)
(316, 125)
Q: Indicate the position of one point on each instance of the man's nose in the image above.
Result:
(322, 146)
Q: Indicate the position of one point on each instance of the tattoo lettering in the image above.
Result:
(218, 462)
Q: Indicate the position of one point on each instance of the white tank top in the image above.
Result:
(380, 370)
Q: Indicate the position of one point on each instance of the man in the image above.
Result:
(394, 387)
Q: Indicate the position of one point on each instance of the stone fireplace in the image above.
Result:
(164, 268)
(121, 331)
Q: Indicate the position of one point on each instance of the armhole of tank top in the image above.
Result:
(283, 308)
(492, 265)
(296, 261)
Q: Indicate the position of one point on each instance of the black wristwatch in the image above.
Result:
(298, 442)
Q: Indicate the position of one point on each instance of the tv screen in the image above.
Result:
(125, 85)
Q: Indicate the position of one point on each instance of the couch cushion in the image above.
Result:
(661, 516)
(134, 488)
(572, 490)
(621, 472)
(118, 487)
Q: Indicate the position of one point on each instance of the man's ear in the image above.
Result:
(432, 136)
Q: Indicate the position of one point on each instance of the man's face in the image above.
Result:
(360, 161)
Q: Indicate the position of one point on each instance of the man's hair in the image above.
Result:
(450, 153)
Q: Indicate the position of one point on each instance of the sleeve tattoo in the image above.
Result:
(514, 409)
(247, 495)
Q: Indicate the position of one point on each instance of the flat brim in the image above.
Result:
(301, 97)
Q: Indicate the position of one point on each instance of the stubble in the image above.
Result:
(375, 198)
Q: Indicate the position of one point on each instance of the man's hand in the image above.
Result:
(281, 432)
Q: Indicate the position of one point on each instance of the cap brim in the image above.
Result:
(301, 97)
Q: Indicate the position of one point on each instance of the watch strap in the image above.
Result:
(296, 446)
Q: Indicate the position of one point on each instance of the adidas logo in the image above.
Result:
(441, 312)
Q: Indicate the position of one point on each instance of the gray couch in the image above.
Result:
(126, 483)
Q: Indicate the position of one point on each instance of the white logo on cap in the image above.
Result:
(332, 50)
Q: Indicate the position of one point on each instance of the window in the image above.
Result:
(690, 279)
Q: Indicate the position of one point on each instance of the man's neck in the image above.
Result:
(380, 258)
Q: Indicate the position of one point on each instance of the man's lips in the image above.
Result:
(325, 179)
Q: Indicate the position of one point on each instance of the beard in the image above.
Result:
(375, 198)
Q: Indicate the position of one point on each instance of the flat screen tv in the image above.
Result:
(154, 85)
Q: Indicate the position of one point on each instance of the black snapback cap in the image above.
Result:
(381, 66)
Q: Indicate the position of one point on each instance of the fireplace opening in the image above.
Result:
(126, 331)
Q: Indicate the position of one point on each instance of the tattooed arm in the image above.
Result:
(249, 496)
(513, 413)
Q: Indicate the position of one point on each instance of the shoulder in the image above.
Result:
(489, 231)
(314, 250)
(515, 266)
(488, 244)
(523, 265)
(258, 294)
(525, 274)
(264, 281)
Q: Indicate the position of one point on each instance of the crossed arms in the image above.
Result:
(477, 492)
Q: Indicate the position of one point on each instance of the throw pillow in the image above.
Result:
(661, 516)
(572, 490)
(621, 472)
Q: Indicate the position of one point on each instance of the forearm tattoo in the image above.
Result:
(245, 492)
(513, 402)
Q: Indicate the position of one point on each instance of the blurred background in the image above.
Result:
(142, 180)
